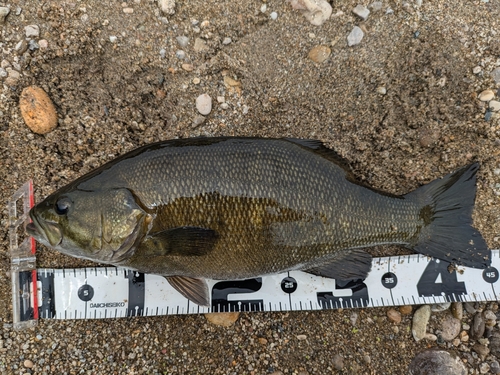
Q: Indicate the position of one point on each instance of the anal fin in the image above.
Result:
(348, 265)
(195, 290)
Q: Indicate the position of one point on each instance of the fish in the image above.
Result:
(232, 208)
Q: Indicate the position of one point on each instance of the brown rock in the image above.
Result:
(37, 110)
(394, 316)
(405, 310)
(223, 319)
(320, 54)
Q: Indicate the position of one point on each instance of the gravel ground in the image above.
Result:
(401, 106)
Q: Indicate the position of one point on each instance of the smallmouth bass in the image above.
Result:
(235, 208)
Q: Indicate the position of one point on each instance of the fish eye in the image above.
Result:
(62, 206)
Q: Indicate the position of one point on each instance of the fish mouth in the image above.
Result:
(45, 232)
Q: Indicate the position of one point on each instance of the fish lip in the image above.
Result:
(40, 231)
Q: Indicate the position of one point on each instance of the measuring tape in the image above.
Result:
(110, 292)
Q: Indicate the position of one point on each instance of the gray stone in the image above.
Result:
(495, 367)
(494, 105)
(481, 350)
(361, 11)
(4, 12)
(338, 362)
(180, 54)
(438, 307)
(197, 121)
(437, 361)
(420, 320)
(484, 368)
(469, 307)
(450, 327)
(182, 41)
(200, 45)
(495, 74)
(478, 324)
(227, 41)
(21, 47)
(495, 343)
(355, 36)
(32, 31)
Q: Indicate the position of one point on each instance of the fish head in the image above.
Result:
(103, 226)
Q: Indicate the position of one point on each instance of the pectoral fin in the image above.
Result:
(195, 290)
(181, 241)
(348, 265)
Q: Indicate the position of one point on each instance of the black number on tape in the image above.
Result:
(223, 289)
(437, 280)
(490, 275)
(359, 297)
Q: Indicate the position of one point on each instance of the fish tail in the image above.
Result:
(447, 233)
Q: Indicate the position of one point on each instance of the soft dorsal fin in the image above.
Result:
(181, 241)
(195, 290)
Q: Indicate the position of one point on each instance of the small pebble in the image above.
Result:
(419, 323)
(405, 310)
(338, 362)
(223, 319)
(180, 54)
(227, 41)
(21, 47)
(478, 325)
(182, 41)
(263, 8)
(438, 307)
(355, 36)
(221, 99)
(167, 6)
(495, 74)
(315, 11)
(43, 43)
(28, 364)
(469, 307)
(481, 350)
(494, 105)
(376, 6)
(381, 90)
(113, 39)
(37, 110)
(484, 368)
(197, 121)
(32, 31)
(450, 327)
(495, 367)
(457, 310)
(199, 45)
(319, 54)
(224, 105)
(204, 104)
(361, 11)
(187, 67)
(128, 10)
(394, 316)
(273, 15)
(196, 80)
(163, 53)
(486, 95)
(437, 361)
(301, 337)
(4, 12)
(477, 70)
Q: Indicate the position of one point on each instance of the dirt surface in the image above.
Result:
(117, 83)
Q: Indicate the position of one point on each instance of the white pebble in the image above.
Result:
(245, 109)
(227, 41)
(167, 6)
(486, 95)
(128, 10)
(476, 70)
(263, 8)
(355, 36)
(221, 99)
(381, 90)
(361, 11)
(204, 104)
(4, 11)
(43, 43)
(183, 41)
(32, 31)
(224, 105)
(274, 15)
(113, 39)
(180, 54)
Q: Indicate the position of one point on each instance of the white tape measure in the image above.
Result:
(109, 292)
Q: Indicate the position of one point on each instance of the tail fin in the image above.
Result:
(448, 234)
